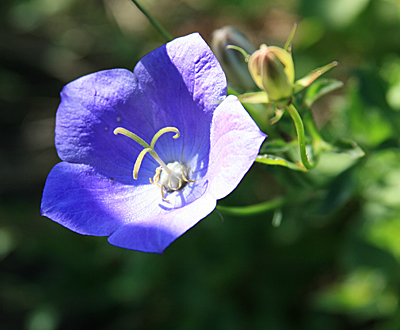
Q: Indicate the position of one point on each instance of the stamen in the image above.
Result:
(162, 193)
(185, 179)
(177, 188)
(154, 182)
(156, 177)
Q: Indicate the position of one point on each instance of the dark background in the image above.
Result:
(333, 263)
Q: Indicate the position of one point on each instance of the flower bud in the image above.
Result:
(231, 60)
(272, 70)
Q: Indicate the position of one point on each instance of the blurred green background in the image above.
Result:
(332, 263)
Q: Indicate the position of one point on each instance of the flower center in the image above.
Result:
(176, 179)
(170, 177)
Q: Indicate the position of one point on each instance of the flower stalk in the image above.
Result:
(154, 22)
(291, 109)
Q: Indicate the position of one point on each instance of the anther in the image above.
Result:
(176, 188)
(185, 179)
(162, 193)
(156, 177)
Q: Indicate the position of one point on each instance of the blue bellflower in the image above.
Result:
(146, 154)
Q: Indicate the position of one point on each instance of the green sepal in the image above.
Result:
(255, 97)
(278, 115)
(308, 79)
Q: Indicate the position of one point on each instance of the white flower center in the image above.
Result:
(175, 180)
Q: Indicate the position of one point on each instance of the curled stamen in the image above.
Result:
(178, 187)
(186, 179)
(162, 194)
(154, 182)
(156, 177)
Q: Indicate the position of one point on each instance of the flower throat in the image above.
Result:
(169, 177)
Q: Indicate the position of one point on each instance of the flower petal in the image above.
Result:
(79, 198)
(155, 236)
(178, 84)
(91, 108)
(185, 83)
(235, 142)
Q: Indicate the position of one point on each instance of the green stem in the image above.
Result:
(153, 21)
(242, 211)
(239, 49)
(300, 136)
(288, 42)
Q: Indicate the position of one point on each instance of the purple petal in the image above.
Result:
(178, 85)
(79, 198)
(185, 83)
(156, 234)
(91, 108)
(235, 142)
(84, 201)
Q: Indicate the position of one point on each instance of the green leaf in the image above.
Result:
(348, 147)
(321, 88)
(274, 160)
(342, 155)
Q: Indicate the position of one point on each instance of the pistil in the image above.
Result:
(167, 175)
(148, 148)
